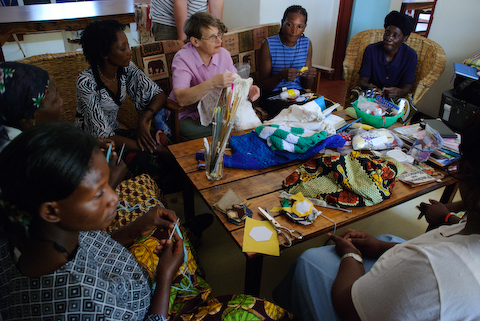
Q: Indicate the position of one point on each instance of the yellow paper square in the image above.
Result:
(270, 247)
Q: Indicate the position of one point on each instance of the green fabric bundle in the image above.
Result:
(290, 139)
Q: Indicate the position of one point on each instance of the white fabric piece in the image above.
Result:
(303, 206)
(246, 117)
(435, 276)
(208, 103)
(308, 116)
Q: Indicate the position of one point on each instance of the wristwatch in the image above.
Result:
(355, 256)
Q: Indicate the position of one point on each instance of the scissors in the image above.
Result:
(284, 234)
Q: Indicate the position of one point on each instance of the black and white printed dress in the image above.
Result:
(102, 282)
(97, 106)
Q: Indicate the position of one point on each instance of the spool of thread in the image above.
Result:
(289, 93)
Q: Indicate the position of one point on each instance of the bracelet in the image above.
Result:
(448, 216)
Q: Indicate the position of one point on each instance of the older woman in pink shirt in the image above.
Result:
(200, 66)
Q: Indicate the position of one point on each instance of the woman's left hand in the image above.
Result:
(157, 217)
(310, 73)
(390, 92)
(145, 140)
(254, 92)
(343, 245)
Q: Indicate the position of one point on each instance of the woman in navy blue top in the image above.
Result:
(388, 67)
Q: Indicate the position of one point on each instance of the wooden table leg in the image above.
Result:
(188, 199)
(449, 193)
(253, 275)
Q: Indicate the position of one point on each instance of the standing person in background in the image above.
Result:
(169, 16)
(281, 59)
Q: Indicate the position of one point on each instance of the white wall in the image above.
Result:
(321, 24)
(455, 27)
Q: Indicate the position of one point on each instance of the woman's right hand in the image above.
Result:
(289, 74)
(369, 245)
(223, 80)
(171, 258)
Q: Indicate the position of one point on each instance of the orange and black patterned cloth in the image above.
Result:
(355, 179)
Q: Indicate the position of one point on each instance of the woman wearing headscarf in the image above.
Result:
(28, 96)
(388, 67)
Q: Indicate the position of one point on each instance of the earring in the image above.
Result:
(34, 123)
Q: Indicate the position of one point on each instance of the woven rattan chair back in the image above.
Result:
(431, 60)
(64, 69)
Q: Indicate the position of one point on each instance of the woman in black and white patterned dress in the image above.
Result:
(101, 90)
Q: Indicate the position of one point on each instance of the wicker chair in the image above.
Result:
(431, 61)
(64, 69)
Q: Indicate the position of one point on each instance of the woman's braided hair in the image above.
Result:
(45, 163)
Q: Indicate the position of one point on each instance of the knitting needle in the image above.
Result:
(109, 152)
(173, 230)
(121, 153)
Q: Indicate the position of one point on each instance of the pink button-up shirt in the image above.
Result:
(189, 70)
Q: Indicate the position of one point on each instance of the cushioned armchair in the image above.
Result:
(431, 60)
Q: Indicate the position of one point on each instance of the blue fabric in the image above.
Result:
(305, 290)
(288, 57)
(401, 71)
(252, 152)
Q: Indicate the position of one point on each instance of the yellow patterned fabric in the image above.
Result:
(141, 192)
(190, 295)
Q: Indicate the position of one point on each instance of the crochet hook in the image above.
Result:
(109, 152)
(121, 153)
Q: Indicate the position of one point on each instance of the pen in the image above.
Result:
(109, 152)
(121, 153)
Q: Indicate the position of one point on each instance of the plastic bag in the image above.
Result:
(376, 139)
(426, 142)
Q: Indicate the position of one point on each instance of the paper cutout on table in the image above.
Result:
(270, 247)
(260, 233)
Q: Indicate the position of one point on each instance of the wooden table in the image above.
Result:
(61, 16)
(261, 188)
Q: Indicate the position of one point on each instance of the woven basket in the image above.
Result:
(64, 69)
(431, 61)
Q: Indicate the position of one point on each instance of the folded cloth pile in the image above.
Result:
(252, 152)
(290, 139)
(352, 180)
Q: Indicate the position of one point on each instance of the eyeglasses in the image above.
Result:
(214, 38)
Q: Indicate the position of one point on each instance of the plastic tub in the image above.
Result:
(375, 121)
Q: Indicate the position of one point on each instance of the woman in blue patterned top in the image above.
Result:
(55, 263)
(281, 58)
